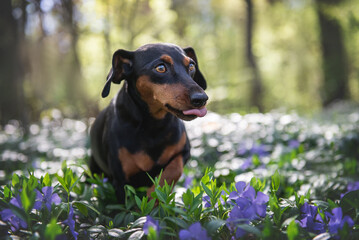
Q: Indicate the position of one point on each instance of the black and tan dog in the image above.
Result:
(141, 130)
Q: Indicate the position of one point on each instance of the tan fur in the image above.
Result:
(186, 61)
(134, 163)
(167, 59)
(171, 173)
(157, 95)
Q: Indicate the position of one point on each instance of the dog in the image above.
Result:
(141, 131)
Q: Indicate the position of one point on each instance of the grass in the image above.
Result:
(254, 176)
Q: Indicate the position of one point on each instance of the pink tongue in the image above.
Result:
(198, 112)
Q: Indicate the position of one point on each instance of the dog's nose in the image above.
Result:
(198, 99)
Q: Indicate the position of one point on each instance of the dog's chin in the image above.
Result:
(180, 114)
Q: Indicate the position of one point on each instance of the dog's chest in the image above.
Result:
(142, 161)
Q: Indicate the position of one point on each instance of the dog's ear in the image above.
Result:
(121, 68)
(198, 77)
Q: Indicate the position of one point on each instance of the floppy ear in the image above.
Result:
(121, 68)
(198, 77)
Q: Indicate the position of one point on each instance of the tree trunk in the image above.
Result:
(334, 59)
(256, 91)
(75, 88)
(12, 103)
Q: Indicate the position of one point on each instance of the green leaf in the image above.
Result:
(177, 222)
(275, 181)
(52, 230)
(214, 225)
(207, 190)
(350, 202)
(32, 183)
(82, 207)
(292, 230)
(139, 222)
(7, 192)
(116, 233)
(27, 198)
(62, 182)
(161, 195)
(47, 180)
(250, 229)
(138, 202)
(87, 205)
(323, 236)
(130, 189)
(149, 206)
(187, 198)
(136, 235)
(15, 180)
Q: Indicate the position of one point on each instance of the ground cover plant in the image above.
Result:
(254, 176)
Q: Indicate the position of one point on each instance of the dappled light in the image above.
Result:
(274, 157)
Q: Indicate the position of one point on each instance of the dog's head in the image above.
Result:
(165, 76)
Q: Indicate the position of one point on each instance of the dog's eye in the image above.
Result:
(191, 67)
(161, 68)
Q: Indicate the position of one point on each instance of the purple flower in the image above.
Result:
(8, 216)
(238, 216)
(251, 149)
(352, 186)
(47, 198)
(294, 144)
(259, 202)
(247, 163)
(187, 182)
(151, 223)
(311, 219)
(248, 206)
(207, 201)
(260, 150)
(337, 221)
(194, 232)
(71, 223)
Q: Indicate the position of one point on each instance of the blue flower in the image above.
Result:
(47, 198)
(151, 223)
(8, 216)
(337, 221)
(71, 223)
(311, 219)
(194, 232)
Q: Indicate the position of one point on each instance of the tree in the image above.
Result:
(256, 91)
(12, 100)
(334, 59)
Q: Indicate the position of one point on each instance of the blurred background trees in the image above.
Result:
(256, 55)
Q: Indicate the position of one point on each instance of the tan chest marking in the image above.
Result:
(172, 150)
(133, 163)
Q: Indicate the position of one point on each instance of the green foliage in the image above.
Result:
(313, 172)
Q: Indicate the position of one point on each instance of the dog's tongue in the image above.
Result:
(198, 112)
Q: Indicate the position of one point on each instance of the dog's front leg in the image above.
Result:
(171, 173)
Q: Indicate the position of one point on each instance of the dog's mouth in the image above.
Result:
(189, 114)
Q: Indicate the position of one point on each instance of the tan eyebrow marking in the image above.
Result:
(186, 61)
(167, 59)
